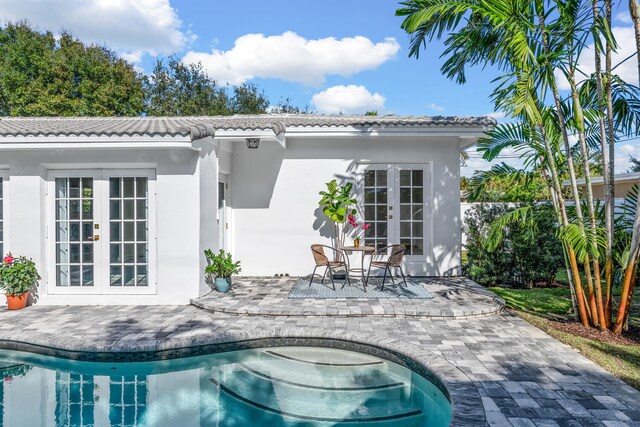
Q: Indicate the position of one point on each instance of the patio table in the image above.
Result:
(364, 250)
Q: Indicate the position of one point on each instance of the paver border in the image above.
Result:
(274, 304)
(466, 403)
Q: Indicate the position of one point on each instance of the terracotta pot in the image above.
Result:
(16, 302)
(356, 243)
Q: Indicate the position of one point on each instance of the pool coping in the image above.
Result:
(466, 403)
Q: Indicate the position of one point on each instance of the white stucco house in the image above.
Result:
(119, 210)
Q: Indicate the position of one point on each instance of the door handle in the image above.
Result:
(96, 237)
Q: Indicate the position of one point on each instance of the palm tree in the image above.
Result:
(515, 37)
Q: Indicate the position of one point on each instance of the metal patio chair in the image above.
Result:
(322, 260)
(394, 260)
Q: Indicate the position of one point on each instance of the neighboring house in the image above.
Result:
(120, 210)
(624, 183)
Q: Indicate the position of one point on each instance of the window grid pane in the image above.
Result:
(375, 207)
(127, 400)
(75, 400)
(412, 211)
(74, 232)
(129, 231)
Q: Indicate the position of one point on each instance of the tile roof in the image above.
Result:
(201, 127)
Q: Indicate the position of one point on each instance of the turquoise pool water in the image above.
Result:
(279, 386)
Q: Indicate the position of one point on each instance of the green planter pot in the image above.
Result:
(222, 284)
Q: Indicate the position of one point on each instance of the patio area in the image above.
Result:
(499, 370)
(448, 297)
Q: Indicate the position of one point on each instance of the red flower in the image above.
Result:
(366, 226)
(8, 259)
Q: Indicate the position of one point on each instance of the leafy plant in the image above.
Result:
(512, 245)
(17, 275)
(337, 204)
(221, 265)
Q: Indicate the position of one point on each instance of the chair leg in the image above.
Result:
(324, 275)
(403, 278)
(391, 275)
(346, 280)
(313, 275)
(384, 277)
(331, 277)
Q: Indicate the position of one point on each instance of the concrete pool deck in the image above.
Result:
(499, 370)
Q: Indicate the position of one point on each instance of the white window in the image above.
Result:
(101, 233)
(396, 204)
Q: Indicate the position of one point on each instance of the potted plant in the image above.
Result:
(17, 277)
(354, 224)
(221, 267)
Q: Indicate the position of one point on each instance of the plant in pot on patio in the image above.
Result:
(17, 277)
(221, 267)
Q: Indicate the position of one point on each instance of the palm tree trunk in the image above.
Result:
(595, 302)
(629, 275)
(579, 291)
(634, 10)
(565, 221)
(608, 162)
(555, 200)
(634, 248)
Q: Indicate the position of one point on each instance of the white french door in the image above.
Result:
(396, 204)
(101, 232)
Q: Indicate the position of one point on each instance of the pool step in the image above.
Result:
(388, 400)
(312, 412)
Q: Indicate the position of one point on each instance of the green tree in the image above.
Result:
(505, 184)
(178, 89)
(44, 76)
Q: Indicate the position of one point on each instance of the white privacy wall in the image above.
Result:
(275, 198)
(178, 214)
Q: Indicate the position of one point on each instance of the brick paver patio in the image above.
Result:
(498, 369)
(453, 297)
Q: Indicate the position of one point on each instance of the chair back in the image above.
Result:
(318, 255)
(397, 253)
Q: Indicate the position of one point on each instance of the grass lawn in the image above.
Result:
(550, 310)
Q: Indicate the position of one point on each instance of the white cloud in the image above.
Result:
(626, 47)
(132, 27)
(291, 57)
(624, 17)
(497, 115)
(631, 148)
(436, 107)
(350, 99)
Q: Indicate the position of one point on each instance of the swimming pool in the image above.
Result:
(277, 386)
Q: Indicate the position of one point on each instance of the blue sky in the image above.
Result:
(334, 56)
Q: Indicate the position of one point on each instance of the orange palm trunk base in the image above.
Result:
(623, 308)
(580, 297)
(592, 299)
(608, 275)
(602, 323)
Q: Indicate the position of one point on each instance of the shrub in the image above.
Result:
(526, 254)
(17, 275)
(221, 265)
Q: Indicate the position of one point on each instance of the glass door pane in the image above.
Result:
(411, 204)
(128, 231)
(376, 195)
(74, 225)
